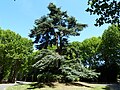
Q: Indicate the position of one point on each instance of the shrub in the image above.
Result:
(54, 67)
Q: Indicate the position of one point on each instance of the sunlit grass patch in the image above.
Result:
(57, 86)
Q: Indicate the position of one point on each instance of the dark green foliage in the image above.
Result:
(48, 77)
(107, 10)
(110, 45)
(55, 28)
(48, 61)
(54, 65)
(74, 70)
(109, 50)
(110, 53)
(108, 73)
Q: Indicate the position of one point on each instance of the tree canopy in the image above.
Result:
(107, 10)
(109, 51)
(89, 50)
(57, 59)
(55, 28)
(13, 53)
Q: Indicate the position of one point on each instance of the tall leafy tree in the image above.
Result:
(55, 28)
(110, 51)
(13, 53)
(19, 55)
(107, 10)
(89, 52)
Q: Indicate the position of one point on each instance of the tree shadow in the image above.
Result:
(41, 85)
(79, 84)
(88, 86)
(106, 88)
(53, 85)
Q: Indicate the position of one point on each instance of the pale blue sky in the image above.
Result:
(19, 15)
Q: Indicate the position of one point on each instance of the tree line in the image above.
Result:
(56, 59)
(91, 60)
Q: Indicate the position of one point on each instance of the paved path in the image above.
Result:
(114, 87)
(4, 86)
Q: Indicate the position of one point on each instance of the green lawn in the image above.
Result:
(58, 86)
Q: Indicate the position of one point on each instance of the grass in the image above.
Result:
(58, 86)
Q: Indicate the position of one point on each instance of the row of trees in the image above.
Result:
(14, 53)
(101, 54)
(19, 62)
(57, 59)
(50, 31)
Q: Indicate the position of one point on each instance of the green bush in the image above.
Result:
(54, 67)
(73, 70)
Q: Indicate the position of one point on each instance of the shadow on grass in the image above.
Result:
(90, 86)
(53, 85)
(79, 84)
(41, 85)
(106, 88)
